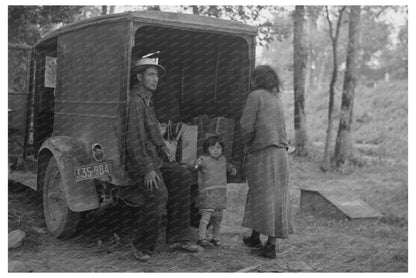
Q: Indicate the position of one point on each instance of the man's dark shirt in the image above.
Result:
(144, 141)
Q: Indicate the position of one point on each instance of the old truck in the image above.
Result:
(67, 114)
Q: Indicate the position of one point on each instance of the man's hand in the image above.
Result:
(169, 157)
(233, 171)
(150, 180)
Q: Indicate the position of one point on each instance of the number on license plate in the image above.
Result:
(92, 171)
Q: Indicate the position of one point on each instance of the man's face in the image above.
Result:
(149, 78)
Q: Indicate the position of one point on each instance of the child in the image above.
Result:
(212, 182)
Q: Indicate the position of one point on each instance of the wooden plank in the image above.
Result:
(331, 202)
(352, 206)
(313, 202)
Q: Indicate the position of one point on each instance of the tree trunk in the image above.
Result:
(112, 7)
(312, 58)
(300, 58)
(323, 68)
(153, 8)
(308, 75)
(103, 10)
(195, 10)
(334, 39)
(343, 146)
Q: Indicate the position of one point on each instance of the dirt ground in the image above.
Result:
(318, 244)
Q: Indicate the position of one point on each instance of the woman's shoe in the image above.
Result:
(268, 251)
(252, 242)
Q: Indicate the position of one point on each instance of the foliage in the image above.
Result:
(383, 47)
(88, 11)
(379, 51)
(282, 27)
(27, 24)
(374, 36)
(250, 14)
(246, 14)
(18, 65)
(279, 53)
(396, 60)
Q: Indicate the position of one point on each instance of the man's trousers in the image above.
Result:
(172, 196)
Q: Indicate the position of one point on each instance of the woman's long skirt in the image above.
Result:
(268, 207)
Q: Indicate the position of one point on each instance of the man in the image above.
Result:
(165, 184)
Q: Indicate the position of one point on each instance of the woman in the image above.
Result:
(267, 209)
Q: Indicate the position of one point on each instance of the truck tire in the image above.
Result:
(60, 220)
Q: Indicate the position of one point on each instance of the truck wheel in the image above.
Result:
(61, 221)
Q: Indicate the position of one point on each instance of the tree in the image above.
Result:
(279, 52)
(376, 43)
(27, 24)
(334, 41)
(300, 58)
(104, 10)
(395, 59)
(314, 44)
(343, 146)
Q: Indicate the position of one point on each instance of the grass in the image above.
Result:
(379, 119)
(351, 245)
(318, 244)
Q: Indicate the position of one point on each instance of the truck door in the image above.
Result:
(19, 58)
(44, 100)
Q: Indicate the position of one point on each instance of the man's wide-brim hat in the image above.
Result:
(144, 63)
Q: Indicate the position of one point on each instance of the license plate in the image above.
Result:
(92, 171)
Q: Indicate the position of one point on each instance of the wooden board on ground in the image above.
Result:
(333, 203)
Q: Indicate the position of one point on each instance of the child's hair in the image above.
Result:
(211, 141)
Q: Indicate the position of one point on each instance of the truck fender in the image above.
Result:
(68, 152)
